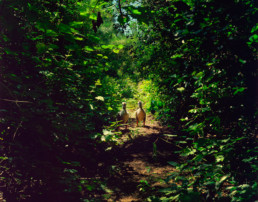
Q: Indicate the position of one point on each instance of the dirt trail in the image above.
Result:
(140, 167)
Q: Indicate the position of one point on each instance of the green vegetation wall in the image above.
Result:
(58, 89)
(201, 55)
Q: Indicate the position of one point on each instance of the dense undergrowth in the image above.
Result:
(66, 66)
(204, 68)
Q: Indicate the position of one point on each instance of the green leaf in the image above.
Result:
(209, 63)
(175, 164)
(41, 47)
(174, 198)
(219, 183)
(76, 24)
(107, 46)
(107, 132)
(9, 52)
(98, 83)
(99, 98)
(225, 140)
(93, 38)
(116, 50)
(181, 89)
(154, 154)
(84, 13)
(93, 16)
(87, 48)
(242, 61)
(64, 28)
(249, 159)
(219, 158)
(223, 178)
(238, 90)
(253, 38)
(170, 135)
(51, 33)
(181, 142)
(90, 187)
(72, 171)
(78, 38)
(193, 111)
(176, 56)
(120, 46)
(136, 12)
(169, 190)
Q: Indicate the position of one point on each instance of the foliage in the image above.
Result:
(149, 94)
(201, 56)
(57, 93)
(67, 65)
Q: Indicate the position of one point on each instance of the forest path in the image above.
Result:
(141, 167)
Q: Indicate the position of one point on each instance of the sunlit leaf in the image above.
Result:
(84, 13)
(78, 38)
(76, 24)
(219, 158)
(107, 46)
(98, 83)
(99, 98)
(136, 12)
(87, 48)
(116, 50)
(120, 46)
(176, 56)
(181, 89)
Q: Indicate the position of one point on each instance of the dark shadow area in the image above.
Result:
(139, 152)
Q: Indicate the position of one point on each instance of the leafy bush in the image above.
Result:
(204, 67)
(57, 96)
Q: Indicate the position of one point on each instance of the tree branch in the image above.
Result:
(120, 9)
(16, 101)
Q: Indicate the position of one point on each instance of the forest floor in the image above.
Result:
(142, 166)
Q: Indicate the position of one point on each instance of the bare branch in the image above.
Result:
(16, 101)
(120, 9)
